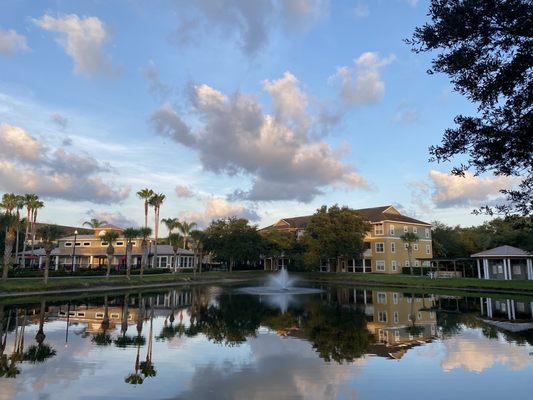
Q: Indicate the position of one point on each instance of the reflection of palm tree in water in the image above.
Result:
(102, 338)
(124, 340)
(42, 351)
(8, 368)
(135, 378)
(147, 367)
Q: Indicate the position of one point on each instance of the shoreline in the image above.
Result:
(24, 287)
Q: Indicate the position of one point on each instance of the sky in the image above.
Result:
(262, 110)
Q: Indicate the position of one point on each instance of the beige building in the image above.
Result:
(89, 251)
(386, 252)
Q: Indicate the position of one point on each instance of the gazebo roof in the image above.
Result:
(503, 251)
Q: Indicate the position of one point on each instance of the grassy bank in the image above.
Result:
(424, 282)
(26, 286)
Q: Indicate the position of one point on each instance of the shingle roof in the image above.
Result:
(373, 214)
(503, 251)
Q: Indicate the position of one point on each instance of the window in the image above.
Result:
(427, 233)
(380, 266)
(81, 314)
(391, 230)
(396, 318)
(115, 315)
(78, 244)
(517, 270)
(382, 298)
(406, 246)
(417, 263)
(407, 263)
(382, 316)
(393, 247)
(68, 244)
(428, 249)
(380, 247)
(397, 334)
(120, 243)
(393, 265)
(415, 229)
(494, 269)
(419, 315)
(86, 244)
(378, 229)
(99, 315)
(405, 229)
(500, 269)
(415, 246)
(104, 244)
(395, 298)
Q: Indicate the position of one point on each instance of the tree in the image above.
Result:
(19, 206)
(278, 243)
(42, 351)
(145, 195)
(185, 229)
(49, 234)
(233, 241)
(155, 201)
(410, 239)
(335, 233)
(29, 200)
(171, 224)
(36, 205)
(129, 234)
(198, 238)
(109, 237)
(94, 223)
(145, 234)
(9, 223)
(486, 48)
(174, 240)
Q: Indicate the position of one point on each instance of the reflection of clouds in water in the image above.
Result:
(281, 368)
(474, 352)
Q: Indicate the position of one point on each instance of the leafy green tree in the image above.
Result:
(335, 233)
(233, 241)
(278, 243)
(145, 195)
(485, 47)
(185, 228)
(94, 223)
(8, 223)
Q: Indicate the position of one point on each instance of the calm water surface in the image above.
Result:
(216, 343)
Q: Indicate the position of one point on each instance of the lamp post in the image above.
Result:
(74, 251)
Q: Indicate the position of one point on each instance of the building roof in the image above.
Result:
(109, 226)
(503, 251)
(373, 214)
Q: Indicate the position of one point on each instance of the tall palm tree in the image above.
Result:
(145, 234)
(9, 222)
(129, 234)
(155, 201)
(145, 195)
(49, 233)
(20, 206)
(29, 199)
(185, 229)
(174, 240)
(109, 237)
(410, 239)
(36, 206)
(94, 223)
(171, 224)
(198, 237)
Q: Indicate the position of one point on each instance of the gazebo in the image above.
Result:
(504, 262)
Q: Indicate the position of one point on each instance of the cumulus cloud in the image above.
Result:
(113, 217)
(449, 190)
(83, 40)
(184, 192)
(362, 84)
(60, 120)
(11, 42)
(278, 150)
(219, 208)
(26, 165)
(249, 23)
(158, 89)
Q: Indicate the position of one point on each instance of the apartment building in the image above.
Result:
(386, 252)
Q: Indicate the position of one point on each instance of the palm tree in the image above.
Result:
(42, 351)
(129, 234)
(155, 201)
(185, 229)
(94, 223)
(20, 206)
(146, 195)
(49, 233)
(174, 240)
(10, 222)
(36, 205)
(171, 224)
(147, 367)
(109, 237)
(410, 239)
(198, 237)
(144, 233)
(102, 338)
(29, 199)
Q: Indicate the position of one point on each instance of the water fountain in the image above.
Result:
(279, 283)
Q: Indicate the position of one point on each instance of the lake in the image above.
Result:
(213, 342)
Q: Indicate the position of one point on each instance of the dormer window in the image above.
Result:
(68, 244)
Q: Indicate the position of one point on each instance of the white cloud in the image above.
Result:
(361, 10)
(412, 3)
(405, 114)
(11, 42)
(278, 151)
(158, 89)
(363, 83)
(249, 23)
(449, 190)
(114, 218)
(83, 40)
(219, 208)
(26, 165)
(60, 120)
(184, 192)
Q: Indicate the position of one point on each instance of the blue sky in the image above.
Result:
(258, 109)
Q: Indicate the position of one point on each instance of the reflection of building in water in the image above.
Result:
(400, 322)
(94, 316)
(512, 315)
